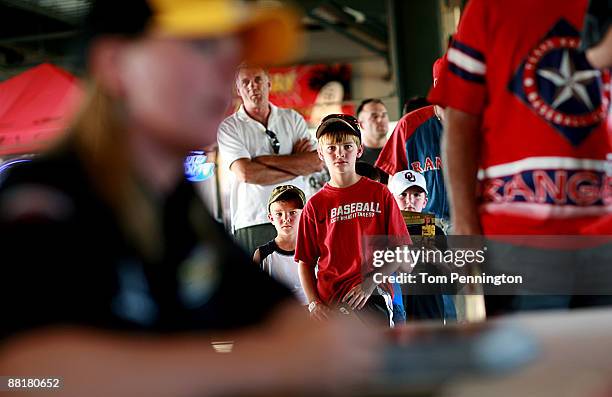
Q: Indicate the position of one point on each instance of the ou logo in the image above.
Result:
(410, 176)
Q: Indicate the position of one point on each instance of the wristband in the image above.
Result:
(312, 305)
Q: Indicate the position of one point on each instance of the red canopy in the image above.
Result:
(35, 107)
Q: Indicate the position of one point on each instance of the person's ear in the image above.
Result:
(360, 151)
(320, 153)
(105, 63)
(237, 84)
(270, 218)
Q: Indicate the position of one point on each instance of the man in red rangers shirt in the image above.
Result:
(334, 223)
(597, 40)
(525, 130)
(525, 115)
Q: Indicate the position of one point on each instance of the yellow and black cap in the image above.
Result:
(270, 35)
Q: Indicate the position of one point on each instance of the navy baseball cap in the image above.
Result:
(346, 122)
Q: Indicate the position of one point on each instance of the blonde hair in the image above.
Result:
(334, 138)
(100, 138)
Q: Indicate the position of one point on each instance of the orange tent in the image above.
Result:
(35, 107)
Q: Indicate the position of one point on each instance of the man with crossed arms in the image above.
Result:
(263, 146)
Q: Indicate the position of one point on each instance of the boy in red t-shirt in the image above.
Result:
(333, 224)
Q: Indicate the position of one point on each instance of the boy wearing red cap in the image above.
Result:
(334, 223)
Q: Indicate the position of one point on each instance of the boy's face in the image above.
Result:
(340, 157)
(285, 216)
(412, 199)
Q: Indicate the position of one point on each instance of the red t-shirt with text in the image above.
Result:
(332, 230)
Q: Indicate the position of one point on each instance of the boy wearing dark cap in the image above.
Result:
(276, 256)
(335, 221)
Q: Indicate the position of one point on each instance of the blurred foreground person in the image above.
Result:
(524, 114)
(111, 268)
(597, 41)
(525, 129)
(597, 34)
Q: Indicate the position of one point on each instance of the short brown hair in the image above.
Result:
(365, 102)
(330, 137)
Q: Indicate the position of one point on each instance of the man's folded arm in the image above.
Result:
(296, 164)
(250, 171)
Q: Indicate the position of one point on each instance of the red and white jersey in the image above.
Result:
(332, 227)
(543, 141)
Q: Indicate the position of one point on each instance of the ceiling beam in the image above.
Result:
(35, 8)
(39, 37)
(335, 18)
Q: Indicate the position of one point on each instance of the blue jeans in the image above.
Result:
(449, 308)
(399, 313)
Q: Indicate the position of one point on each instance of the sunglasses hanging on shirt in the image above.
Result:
(274, 141)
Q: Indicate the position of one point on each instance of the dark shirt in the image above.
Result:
(67, 261)
(424, 301)
(370, 155)
(597, 21)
